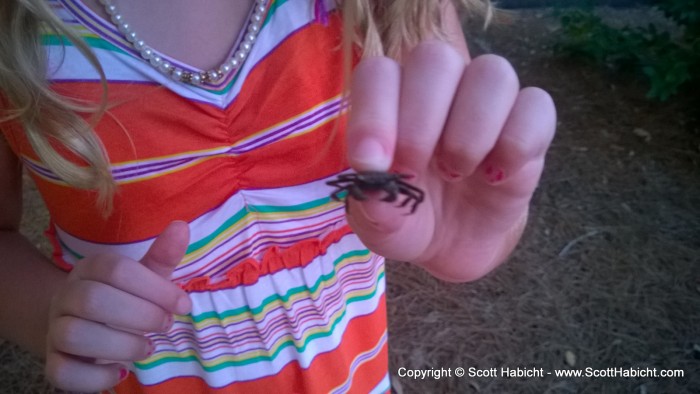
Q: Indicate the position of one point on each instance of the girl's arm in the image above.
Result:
(71, 319)
(27, 279)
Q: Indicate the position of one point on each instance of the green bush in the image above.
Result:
(669, 62)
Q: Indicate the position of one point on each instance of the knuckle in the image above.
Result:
(65, 334)
(88, 300)
(56, 372)
(116, 270)
(91, 266)
(462, 156)
(518, 147)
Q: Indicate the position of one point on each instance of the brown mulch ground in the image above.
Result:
(607, 274)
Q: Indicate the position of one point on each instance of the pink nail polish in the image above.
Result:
(168, 322)
(123, 373)
(494, 175)
(151, 348)
(451, 175)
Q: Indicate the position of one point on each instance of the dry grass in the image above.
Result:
(607, 271)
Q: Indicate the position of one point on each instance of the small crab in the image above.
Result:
(391, 183)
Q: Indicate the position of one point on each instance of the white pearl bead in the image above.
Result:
(155, 60)
(254, 28)
(124, 28)
(213, 75)
(257, 18)
(147, 53)
(196, 79)
(226, 68)
(165, 67)
(139, 45)
(250, 38)
(234, 63)
(111, 9)
(240, 55)
(117, 19)
(246, 46)
(177, 74)
(131, 37)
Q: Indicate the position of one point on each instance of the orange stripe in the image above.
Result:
(326, 371)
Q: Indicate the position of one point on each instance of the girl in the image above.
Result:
(183, 152)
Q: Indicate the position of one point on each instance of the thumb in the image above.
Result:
(168, 249)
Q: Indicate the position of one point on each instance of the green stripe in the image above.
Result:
(276, 297)
(93, 42)
(70, 251)
(241, 214)
(289, 342)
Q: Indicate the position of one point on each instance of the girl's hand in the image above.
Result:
(99, 319)
(474, 142)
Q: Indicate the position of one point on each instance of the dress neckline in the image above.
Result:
(107, 31)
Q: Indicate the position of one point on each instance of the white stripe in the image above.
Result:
(383, 386)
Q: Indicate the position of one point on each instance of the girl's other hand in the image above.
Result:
(473, 141)
(99, 318)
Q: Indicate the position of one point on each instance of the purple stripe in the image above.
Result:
(296, 125)
(360, 360)
(153, 167)
(114, 81)
(41, 170)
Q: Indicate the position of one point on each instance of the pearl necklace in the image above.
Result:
(212, 76)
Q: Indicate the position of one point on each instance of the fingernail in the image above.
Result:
(369, 154)
(168, 322)
(183, 305)
(494, 175)
(123, 373)
(450, 175)
(151, 347)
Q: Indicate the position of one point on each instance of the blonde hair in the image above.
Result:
(50, 121)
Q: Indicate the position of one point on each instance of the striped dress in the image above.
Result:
(286, 298)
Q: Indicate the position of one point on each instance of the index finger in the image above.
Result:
(373, 121)
(134, 278)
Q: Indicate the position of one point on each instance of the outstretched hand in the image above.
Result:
(472, 140)
(99, 318)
